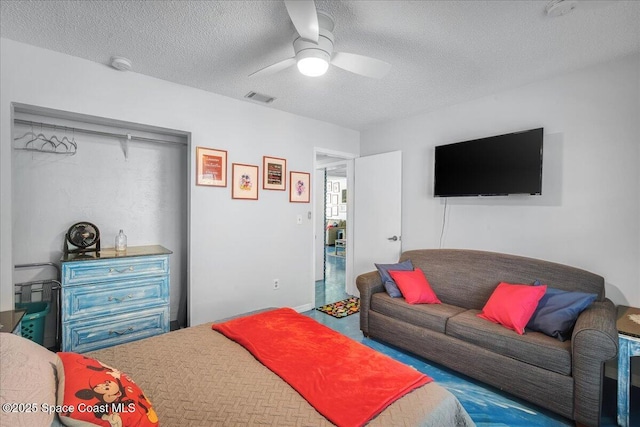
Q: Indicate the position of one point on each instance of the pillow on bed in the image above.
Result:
(558, 311)
(512, 305)
(28, 377)
(415, 287)
(100, 395)
(389, 285)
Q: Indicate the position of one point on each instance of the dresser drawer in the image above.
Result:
(83, 336)
(108, 298)
(80, 273)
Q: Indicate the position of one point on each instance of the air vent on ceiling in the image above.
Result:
(258, 97)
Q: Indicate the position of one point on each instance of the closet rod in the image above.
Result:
(96, 132)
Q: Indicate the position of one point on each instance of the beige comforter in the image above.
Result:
(198, 377)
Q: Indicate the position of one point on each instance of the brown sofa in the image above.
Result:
(564, 377)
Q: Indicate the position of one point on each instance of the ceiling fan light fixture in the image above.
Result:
(313, 62)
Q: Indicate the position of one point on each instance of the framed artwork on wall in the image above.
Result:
(336, 187)
(342, 208)
(334, 199)
(344, 195)
(274, 173)
(211, 167)
(244, 181)
(329, 186)
(299, 187)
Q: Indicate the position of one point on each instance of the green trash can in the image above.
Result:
(33, 320)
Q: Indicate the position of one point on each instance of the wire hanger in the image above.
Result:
(53, 145)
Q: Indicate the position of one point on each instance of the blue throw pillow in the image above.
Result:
(558, 311)
(389, 285)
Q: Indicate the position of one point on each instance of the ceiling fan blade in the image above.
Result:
(304, 17)
(359, 64)
(274, 68)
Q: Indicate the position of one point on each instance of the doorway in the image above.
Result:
(332, 207)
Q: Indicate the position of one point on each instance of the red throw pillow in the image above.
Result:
(512, 305)
(97, 394)
(414, 287)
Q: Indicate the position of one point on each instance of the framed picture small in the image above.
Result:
(211, 167)
(336, 187)
(342, 208)
(334, 199)
(299, 187)
(334, 211)
(344, 195)
(274, 173)
(329, 186)
(244, 181)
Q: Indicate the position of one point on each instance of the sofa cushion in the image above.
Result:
(512, 305)
(389, 285)
(534, 348)
(430, 316)
(558, 311)
(415, 287)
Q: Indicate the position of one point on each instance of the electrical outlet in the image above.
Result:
(276, 284)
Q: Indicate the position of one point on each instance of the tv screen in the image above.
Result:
(498, 165)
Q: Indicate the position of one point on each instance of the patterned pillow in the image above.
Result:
(389, 285)
(99, 395)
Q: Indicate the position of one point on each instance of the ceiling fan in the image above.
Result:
(314, 46)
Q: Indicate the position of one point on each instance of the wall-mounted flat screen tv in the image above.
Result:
(493, 166)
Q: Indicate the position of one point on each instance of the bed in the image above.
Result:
(198, 377)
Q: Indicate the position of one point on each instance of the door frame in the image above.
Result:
(342, 158)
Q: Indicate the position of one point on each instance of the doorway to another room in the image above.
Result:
(332, 245)
(332, 287)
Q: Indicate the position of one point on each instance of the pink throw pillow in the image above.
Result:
(414, 287)
(512, 305)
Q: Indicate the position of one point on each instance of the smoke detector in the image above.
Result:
(120, 63)
(560, 7)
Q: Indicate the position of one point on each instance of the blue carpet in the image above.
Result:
(486, 405)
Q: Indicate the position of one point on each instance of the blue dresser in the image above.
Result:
(111, 297)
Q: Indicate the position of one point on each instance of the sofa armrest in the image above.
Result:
(594, 341)
(368, 284)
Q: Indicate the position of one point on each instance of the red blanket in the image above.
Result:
(344, 380)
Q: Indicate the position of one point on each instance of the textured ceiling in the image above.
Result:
(442, 52)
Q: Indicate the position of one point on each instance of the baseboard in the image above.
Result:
(303, 308)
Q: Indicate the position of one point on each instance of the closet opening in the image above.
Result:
(69, 167)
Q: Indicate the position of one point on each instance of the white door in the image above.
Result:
(377, 212)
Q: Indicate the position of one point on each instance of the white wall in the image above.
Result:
(236, 247)
(589, 213)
